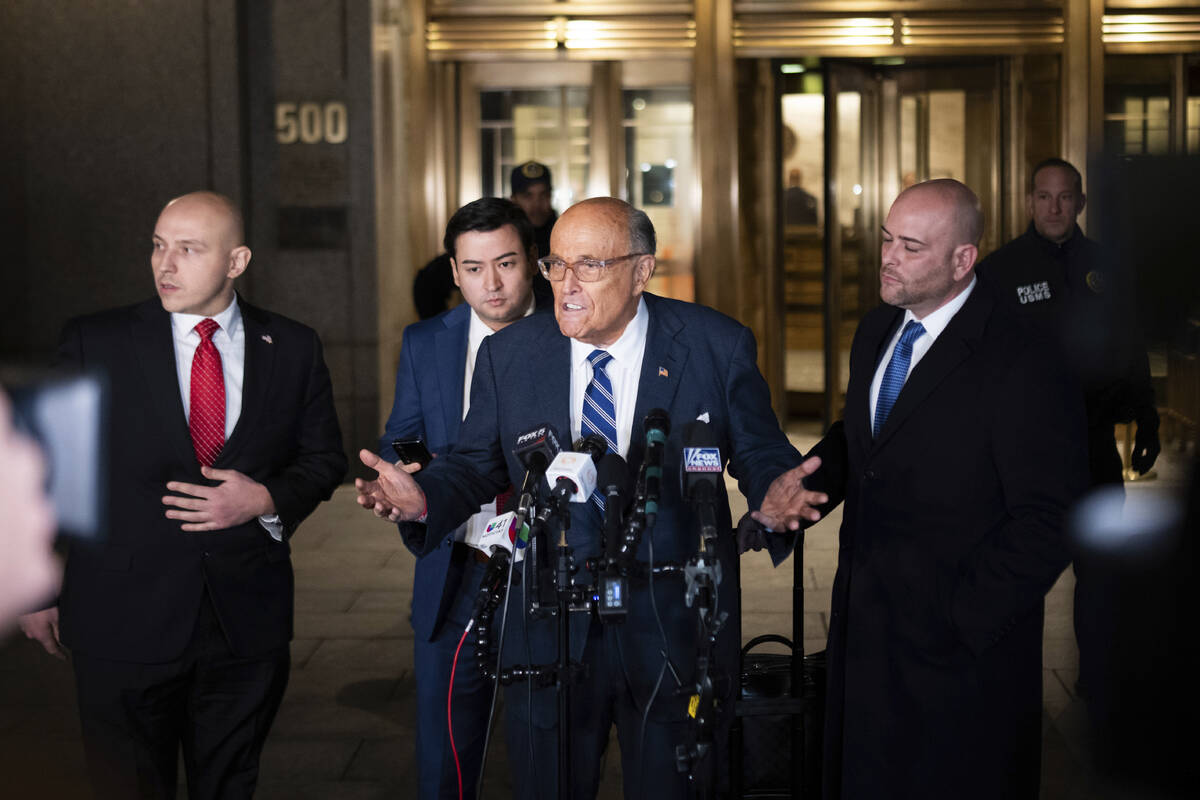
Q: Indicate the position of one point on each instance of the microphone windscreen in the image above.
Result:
(658, 419)
(612, 471)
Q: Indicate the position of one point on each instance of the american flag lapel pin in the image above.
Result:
(662, 372)
(266, 337)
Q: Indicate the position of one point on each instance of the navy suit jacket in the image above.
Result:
(136, 596)
(951, 535)
(696, 361)
(428, 405)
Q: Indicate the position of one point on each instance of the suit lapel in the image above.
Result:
(261, 345)
(154, 344)
(552, 398)
(952, 347)
(663, 363)
(450, 344)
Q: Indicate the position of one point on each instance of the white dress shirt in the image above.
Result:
(624, 371)
(477, 331)
(230, 341)
(934, 324)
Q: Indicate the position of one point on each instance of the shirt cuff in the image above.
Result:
(273, 524)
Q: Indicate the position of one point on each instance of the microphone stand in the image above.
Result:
(563, 678)
(702, 574)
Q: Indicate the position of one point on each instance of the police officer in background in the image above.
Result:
(532, 191)
(1067, 287)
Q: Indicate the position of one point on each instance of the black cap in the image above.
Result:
(529, 173)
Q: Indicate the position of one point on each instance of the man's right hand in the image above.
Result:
(42, 626)
(393, 495)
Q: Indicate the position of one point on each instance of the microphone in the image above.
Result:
(535, 449)
(701, 474)
(493, 583)
(612, 590)
(594, 445)
(573, 476)
(612, 479)
(500, 533)
(658, 425)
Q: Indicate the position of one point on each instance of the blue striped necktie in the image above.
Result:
(599, 408)
(895, 374)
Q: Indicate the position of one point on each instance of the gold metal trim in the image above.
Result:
(900, 34)
(443, 9)
(482, 39)
(1150, 29)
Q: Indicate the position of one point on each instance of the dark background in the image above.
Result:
(110, 109)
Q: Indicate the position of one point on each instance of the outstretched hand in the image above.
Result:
(393, 495)
(787, 502)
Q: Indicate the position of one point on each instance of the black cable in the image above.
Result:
(529, 682)
(487, 736)
(654, 604)
(642, 733)
(662, 671)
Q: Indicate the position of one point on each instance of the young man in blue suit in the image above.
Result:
(491, 248)
(647, 352)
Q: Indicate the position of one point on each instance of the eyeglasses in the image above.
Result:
(586, 270)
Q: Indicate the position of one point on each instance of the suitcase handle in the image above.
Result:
(764, 639)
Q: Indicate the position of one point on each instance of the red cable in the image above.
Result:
(449, 698)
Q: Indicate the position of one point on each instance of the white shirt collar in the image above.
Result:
(936, 321)
(183, 324)
(478, 330)
(628, 346)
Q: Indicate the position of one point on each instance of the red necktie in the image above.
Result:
(207, 418)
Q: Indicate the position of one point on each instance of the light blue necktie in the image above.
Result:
(896, 372)
(599, 408)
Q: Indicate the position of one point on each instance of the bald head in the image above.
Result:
(224, 212)
(961, 207)
(930, 244)
(617, 213)
(198, 252)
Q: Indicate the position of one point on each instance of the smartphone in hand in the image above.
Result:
(411, 451)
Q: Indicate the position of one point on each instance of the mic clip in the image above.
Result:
(700, 573)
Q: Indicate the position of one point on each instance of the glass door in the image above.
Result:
(853, 135)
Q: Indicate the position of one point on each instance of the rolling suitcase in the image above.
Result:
(778, 714)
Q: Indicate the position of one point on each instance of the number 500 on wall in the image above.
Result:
(310, 123)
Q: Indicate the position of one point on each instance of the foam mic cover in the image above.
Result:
(701, 472)
(612, 479)
(658, 425)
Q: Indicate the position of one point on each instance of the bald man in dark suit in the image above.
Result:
(962, 447)
(223, 439)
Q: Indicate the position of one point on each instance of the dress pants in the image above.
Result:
(217, 706)
(437, 776)
(599, 699)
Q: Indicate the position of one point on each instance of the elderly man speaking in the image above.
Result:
(643, 352)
